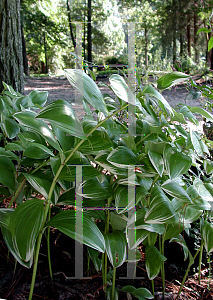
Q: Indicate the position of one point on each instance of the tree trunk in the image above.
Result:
(146, 48)
(25, 59)
(11, 58)
(189, 36)
(174, 31)
(195, 37)
(181, 44)
(89, 33)
(45, 51)
(70, 24)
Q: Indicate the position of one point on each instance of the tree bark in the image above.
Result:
(146, 48)
(195, 37)
(11, 55)
(70, 24)
(189, 36)
(45, 51)
(89, 33)
(25, 59)
(181, 44)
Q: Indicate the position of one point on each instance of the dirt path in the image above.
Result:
(60, 88)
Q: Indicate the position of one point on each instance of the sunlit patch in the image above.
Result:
(46, 132)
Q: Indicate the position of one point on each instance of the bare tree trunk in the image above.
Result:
(70, 24)
(25, 60)
(181, 44)
(45, 51)
(89, 33)
(146, 48)
(189, 36)
(11, 57)
(195, 37)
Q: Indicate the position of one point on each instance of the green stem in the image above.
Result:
(153, 183)
(21, 184)
(163, 266)
(153, 288)
(113, 283)
(187, 271)
(106, 231)
(103, 269)
(35, 265)
(140, 142)
(47, 204)
(152, 281)
(200, 261)
(13, 199)
(48, 247)
(88, 264)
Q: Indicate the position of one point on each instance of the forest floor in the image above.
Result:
(15, 280)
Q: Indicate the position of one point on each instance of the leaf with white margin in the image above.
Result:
(153, 261)
(207, 234)
(25, 224)
(65, 221)
(160, 209)
(88, 88)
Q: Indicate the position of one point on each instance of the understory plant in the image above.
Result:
(132, 164)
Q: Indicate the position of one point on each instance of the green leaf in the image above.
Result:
(61, 114)
(180, 240)
(67, 198)
(206, 30)
(175, 190)
(7, 176)
(172, 230)
(9, 154)
(142, 294)
(14, 146)
(121, 89)
(11, 127)
(88, 88)
(65, 222)
(202, 112)
(151, 91)
(207, 234)
(208, 166)
(116, 248)
(176, 162)
(210, 43)
(157, 147)
(121, 157)
(202, 190)
(37, 98)
(157, 161)
(25, 224)
(38, 151)
(66, 141)
(121, 199)
(170, 79)
(198, 200)
(9, 242)
(153, 261)
(160, 208)
(128, 289)
(118, 222)
(94, 255)
(196, 143)
(95, 189)
(42, 183)
(101, 159)
(27, 118)
(97, 141)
